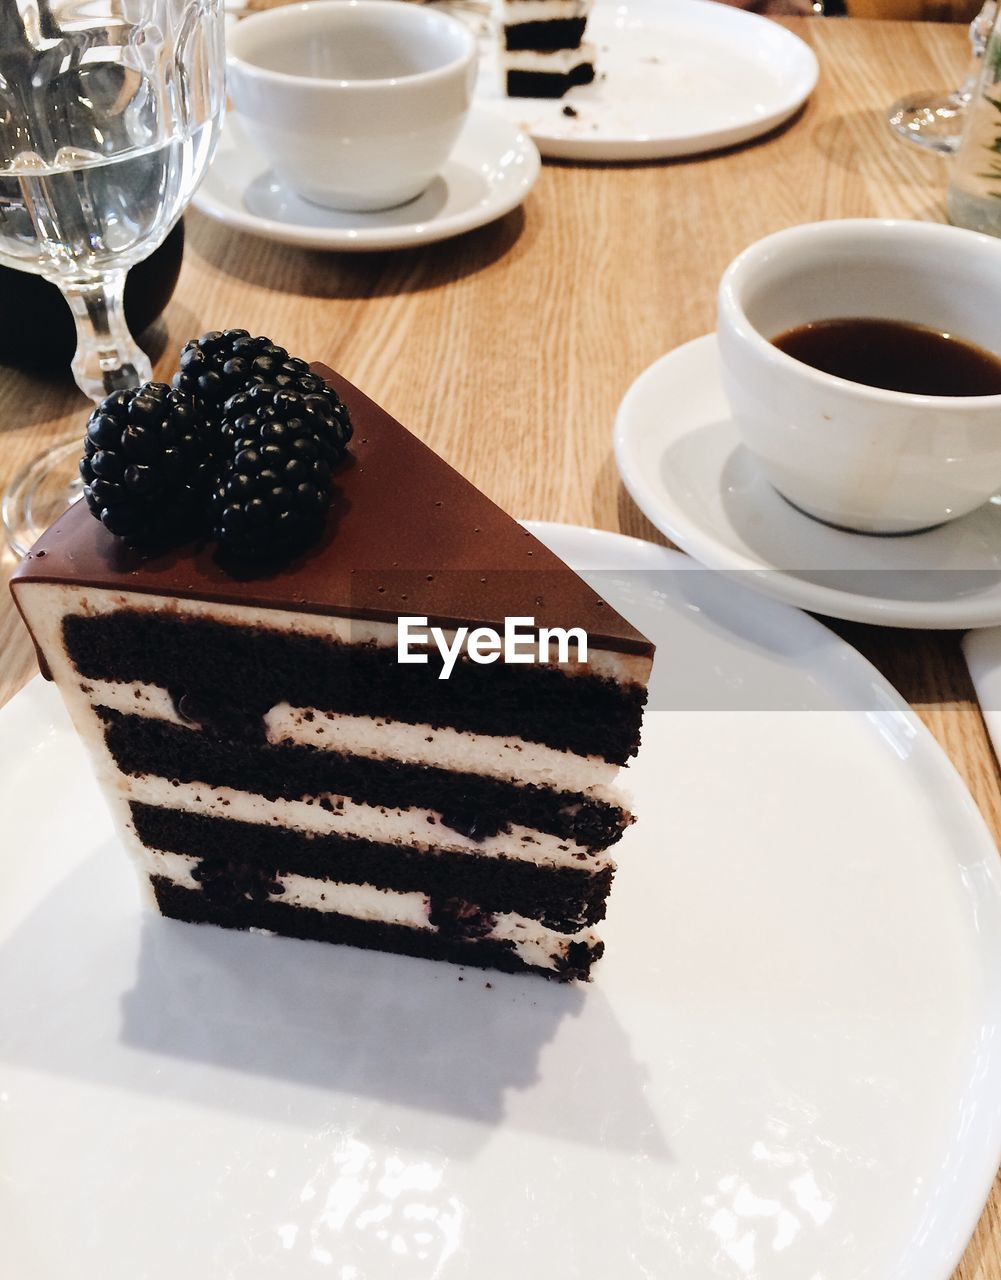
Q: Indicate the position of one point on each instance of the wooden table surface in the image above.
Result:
(509, 349)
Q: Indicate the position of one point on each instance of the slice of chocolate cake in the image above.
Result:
(282, 753)
(544, 52)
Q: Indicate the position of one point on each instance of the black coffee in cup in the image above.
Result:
(896, 356)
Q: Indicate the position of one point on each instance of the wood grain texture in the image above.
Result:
(509, 349)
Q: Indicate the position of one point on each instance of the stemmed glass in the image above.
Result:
(110, 111)
(935, 120)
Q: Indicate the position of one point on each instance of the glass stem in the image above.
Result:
(107, 358)
(980, 33)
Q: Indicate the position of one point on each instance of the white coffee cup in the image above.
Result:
(857, 456)
(355, 103)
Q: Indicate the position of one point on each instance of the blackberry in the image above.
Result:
(274, 488)
(327, 411)
(218, 365)
(146, 469)
(320, 412)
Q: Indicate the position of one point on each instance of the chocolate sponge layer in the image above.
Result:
(301, 922)
(475, 805)
(562, 898)
(547, 84)
(547, 36)
(252, 669)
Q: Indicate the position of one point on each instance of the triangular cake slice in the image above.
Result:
(273, 764)
(544, 53)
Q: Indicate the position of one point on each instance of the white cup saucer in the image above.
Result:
(491, 170)
(682, 461)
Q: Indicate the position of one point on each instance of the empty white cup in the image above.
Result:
(355, 103)
(857, 456)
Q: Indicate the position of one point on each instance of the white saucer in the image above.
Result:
(490, 172)
(675, 77)
(681, 459)
(787, 1065)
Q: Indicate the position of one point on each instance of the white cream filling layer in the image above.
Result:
(554, 62)
(516, 11)
(411, 828)
(133, 699)
(533, 942)
(360, 901)
(511, 759)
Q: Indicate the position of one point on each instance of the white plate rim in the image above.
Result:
(373, 239)
(637, 146)
(676, 523)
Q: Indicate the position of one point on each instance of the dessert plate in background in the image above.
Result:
(490, 172)
(675, 77)
(787, 1065)
(680, 457)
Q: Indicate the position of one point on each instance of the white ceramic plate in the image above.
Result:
(676, 77)
(490, 172)
(787, 1065)
(680, 457)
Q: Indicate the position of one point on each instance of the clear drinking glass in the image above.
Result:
(935, 120)
(110, 111)
(974, 198)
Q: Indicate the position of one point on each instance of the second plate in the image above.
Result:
(674, 79)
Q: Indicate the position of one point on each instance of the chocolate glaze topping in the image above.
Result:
(406, 535)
